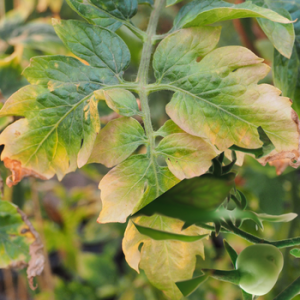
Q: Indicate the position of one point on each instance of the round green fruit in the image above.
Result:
(259, 267)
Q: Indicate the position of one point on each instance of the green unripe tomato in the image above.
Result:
(259, 267)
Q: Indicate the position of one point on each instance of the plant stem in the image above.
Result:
(142, 80)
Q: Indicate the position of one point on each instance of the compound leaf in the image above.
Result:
(219, 99)
(60, 107)
(198, 12)
(164, 262)
(118, 140)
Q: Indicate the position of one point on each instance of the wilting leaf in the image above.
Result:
(164, 262)
(110, 14)
(282, 36)
(295, 252)
(197, 13)
(20, 244)
(131, 185)
(218, 98)
(118, 140)
(187, 156)
(60, 107)
(160, 235)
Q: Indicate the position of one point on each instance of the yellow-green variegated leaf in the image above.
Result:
(187, 156)
(219, 98)
(131, 185)
(60, 108)
(164, 262)
(117, 141)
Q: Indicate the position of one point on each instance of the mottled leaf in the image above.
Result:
(107, 13)
(187, 156)
(131, 185)
(218, 98)
(60, 108)
(164, 262)
(199, 12)
(169, 128)
(117, 141)
(119, 100)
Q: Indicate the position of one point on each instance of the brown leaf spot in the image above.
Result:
(18, 172)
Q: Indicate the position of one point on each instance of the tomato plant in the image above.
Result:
(174, 185)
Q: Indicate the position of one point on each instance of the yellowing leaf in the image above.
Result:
(219, 99)
(187, 156)
(164, 262)
(131, 185)
(118, 140)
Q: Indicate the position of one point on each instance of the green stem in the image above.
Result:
(138, 32)
(290, 292)
(142, 80)
(252, 238)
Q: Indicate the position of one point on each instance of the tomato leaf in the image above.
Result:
(187, 287)
(164, 261)
(295, 252)
(219, 99)
(232, 253)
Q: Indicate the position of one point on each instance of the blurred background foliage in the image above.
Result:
(85, 259)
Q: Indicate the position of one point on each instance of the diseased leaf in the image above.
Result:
(169, 128)
(119, 100)
(199, 12)
(219, 99)
(164, 262)
(187, 156)
(117, 141)
(100, 47)
(160, 235)
(60, 108)
(131, 185)
(108, 13)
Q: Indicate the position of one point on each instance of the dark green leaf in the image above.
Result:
(189, 286)
(232, 253)
(160, 235)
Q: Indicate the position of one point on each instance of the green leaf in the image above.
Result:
(202, 193)
(15, 236)
(160, 235)
(197, 13)
(232, 253)
(187, 156)
(117, 141)
(282, 36)
(147, 2)
(295, 252)
(218, 98)
(187, 287)
(164, 262)
(60, 107)
(99, 47)
(131, 185)
(172, 2)
(107, 13)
